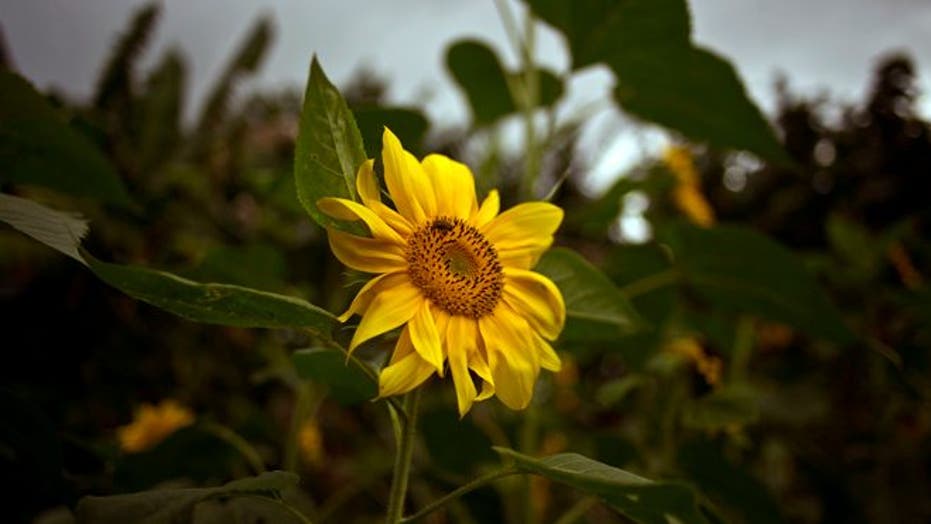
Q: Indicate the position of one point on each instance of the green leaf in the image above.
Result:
(329, 147)
(61, 231)
(743, 271)
(245, 61)
(697, 93)
(225, 304)
(161, 108)
(348, 384)
(721, 408)
(38, 147)
(600, 29)
(178, 505)
(476, 69)
(662, 76)
(728, 485)
(487, 86)
(595, 308)
(115, 84)
(640, 499)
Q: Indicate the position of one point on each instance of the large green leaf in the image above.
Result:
(61, 231)
(224, 304)
(178, 505)
(347, 383)
(640, 499)
(477, 70)
(329, 147)
(595, 308)
(746, 272)
(38, 147)
(662, 76)
(212, 303)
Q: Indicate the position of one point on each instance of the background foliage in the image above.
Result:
(772, 368)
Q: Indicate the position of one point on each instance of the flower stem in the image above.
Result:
(402, 462)
(460, 491)
(234, 439)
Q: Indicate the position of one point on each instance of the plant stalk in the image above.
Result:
(402, 463)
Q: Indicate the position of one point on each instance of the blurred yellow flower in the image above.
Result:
(310, 442)
(708, 366)
(687, 194)
(152, 424)
(455, 275)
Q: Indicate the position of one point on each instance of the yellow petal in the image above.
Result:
(409, 186)
(370, 192)
(454, 186)
(461, 338)
(546, 355)
(406, 371)
(367, 184)
(511, 357)
(537, 299)
(488, 210)
(388, 309)
(531, 224)
(343, 209)
(371, 255)
(371, 288)
(488, 391)
(426, 338)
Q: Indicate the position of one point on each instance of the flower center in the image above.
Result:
(455, 266)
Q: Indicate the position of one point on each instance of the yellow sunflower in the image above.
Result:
(455, 274)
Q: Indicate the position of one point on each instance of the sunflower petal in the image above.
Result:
(406, 371)
(537, 298)
(548, 358)
(488, 210)
(343, 209)
(409, 186)
(454, 186)
(461, 337)
(531, 224)
(511, 357)
(370, 290)
(367, 184)
(488, 391)
(370, 192)
(426, 338)
(388, 309)
(371, 255)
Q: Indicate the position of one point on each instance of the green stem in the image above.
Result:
(460, 491)
(234, 439)
(529, 442)
(577, 511)
(402, 462)
(651, 283)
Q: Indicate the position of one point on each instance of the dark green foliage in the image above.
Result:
(38, 147)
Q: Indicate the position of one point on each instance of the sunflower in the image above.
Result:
(454, 275)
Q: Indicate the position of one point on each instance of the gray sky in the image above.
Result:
(822, 44)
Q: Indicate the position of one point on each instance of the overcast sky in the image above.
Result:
(822, 45)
